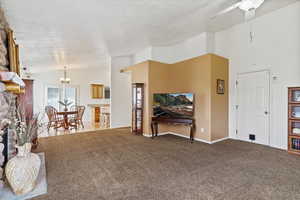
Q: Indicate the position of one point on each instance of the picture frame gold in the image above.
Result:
(13, 52)
(17, 59)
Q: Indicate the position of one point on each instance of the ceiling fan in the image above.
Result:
(249, 6)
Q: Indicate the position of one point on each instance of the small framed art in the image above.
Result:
(220, 86)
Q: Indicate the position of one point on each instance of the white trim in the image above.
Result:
(271, 146)
(219, 140)
(159, 134)
(147, 135)
(185, 136)
(278, 147)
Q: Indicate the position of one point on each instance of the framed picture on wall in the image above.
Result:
(220, 86)
(13, 52)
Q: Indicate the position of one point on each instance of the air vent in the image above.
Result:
(251, 137)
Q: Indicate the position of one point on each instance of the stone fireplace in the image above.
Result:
(6, 98)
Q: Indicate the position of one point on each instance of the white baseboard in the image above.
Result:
(219, 140)
(185, 136)
(277, 147)
(274, 146)
(268, 145)
(159, 134)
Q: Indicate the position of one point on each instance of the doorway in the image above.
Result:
(253, 105)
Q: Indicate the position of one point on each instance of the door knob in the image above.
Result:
(266, 112)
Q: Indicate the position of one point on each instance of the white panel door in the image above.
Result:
(253, 94)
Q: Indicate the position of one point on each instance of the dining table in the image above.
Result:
(66, 115)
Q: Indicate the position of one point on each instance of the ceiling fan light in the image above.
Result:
(246, 5)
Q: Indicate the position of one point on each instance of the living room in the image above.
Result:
(203, 100)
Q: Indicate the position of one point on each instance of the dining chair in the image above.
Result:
(73, 108)
(54, 120)
(81, 110)
(77, 119)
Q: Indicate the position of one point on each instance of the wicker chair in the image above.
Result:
(54, 120)
(77, 119)
(73, 108)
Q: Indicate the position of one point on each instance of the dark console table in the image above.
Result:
(170, 120)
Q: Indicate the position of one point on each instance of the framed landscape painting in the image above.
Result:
(173, 105)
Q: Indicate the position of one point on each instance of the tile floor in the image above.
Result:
(88, 127)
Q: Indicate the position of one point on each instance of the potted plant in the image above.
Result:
(65, 103)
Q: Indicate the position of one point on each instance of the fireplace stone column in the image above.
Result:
(4, 111)
(5, 97)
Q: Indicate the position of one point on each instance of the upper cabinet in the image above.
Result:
(97, 91)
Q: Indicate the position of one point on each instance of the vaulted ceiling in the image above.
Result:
(77, 33)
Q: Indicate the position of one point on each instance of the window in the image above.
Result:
(71, 95)
(59, 93)
(53, 95)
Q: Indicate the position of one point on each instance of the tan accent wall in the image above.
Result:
(193, 76)
(219, 103)
(158, 83)
(197, 75)
(140, 74)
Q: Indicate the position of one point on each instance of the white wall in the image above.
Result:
(189, 48)
(210, 42)
(143, 55)
(79, 77)
(120, 92)
(192, 47)
(276, 47)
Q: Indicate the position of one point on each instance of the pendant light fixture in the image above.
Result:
(65, 79)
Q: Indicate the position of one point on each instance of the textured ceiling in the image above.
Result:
(77, 33)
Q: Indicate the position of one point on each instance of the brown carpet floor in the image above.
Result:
(116, 165)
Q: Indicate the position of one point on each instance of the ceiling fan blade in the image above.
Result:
(234, 6)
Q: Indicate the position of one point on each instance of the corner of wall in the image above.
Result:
(210, 42)
(120, 92)
(219, 102)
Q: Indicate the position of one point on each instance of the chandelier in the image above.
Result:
(65, 80)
